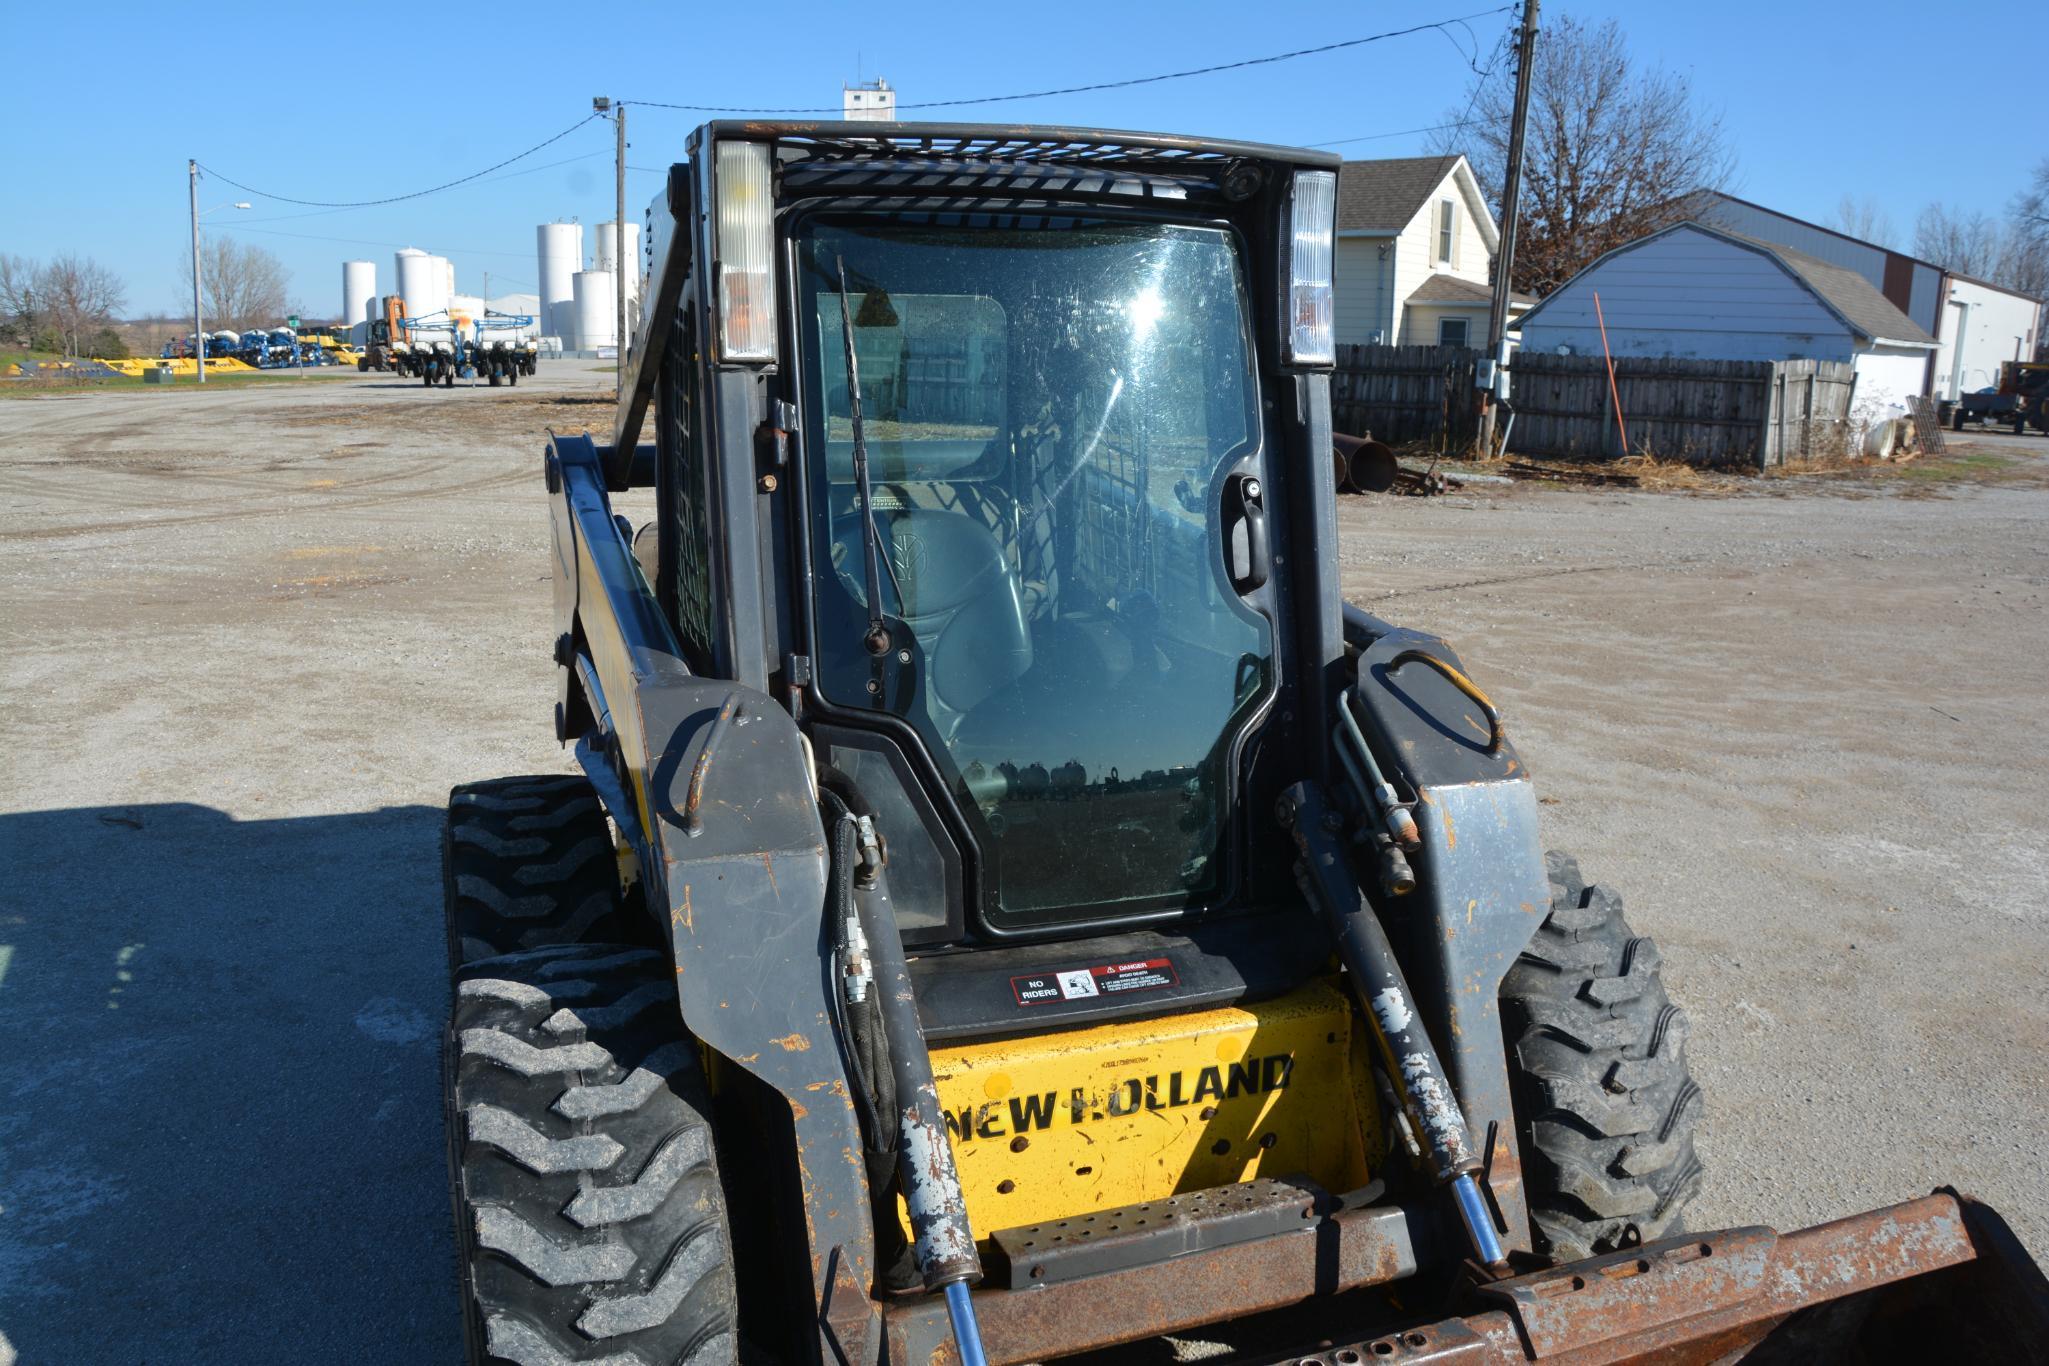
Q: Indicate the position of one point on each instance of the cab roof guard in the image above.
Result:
(877, 155)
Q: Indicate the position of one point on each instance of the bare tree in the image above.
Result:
(2025, 263)
(241, 286)
(20, 310)
(1967, 243)
(1611, 148)
(2031, 206)
(78, 296)
(1864, 219)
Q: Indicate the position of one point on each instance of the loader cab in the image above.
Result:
(1083, 414)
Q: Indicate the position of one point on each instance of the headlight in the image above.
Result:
(1312, 213)
(746, 250)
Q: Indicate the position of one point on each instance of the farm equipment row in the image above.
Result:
(276, 348)
(439, 348)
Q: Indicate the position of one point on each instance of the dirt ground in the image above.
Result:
(253, 637)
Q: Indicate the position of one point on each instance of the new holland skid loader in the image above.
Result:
(1012, 906)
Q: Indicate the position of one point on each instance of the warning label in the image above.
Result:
(1104, 979)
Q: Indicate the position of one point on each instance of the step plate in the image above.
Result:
(1155, 1231)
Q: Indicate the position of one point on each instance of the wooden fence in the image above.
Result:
(1709, 412)
(1406, 394)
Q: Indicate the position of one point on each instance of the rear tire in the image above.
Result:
(529, 863)
(589, 1217)
(1605, 1107)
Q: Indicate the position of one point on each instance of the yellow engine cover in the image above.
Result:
(1053, 1125)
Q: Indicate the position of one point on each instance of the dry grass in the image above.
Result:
(1651, 472)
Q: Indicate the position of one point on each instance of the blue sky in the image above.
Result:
(333, 102)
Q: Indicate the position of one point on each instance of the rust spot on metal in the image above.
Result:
(792, 1042)
(768, 866)
(798, 1109)
(1450, 832)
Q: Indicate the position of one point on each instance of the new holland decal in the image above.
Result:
(1078, 1105)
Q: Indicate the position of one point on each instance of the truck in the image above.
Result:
(2019, 400)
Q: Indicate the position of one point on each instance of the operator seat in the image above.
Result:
(961, 599)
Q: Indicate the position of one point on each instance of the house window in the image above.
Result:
(1451, 331)
(1447, 232)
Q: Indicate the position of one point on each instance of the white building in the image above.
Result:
(1704, 293)
(869, 102)
(1415, 253)
(1986, 319)
(1983, 324)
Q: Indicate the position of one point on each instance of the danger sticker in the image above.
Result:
(1104, 979)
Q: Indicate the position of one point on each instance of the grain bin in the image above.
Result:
(561, 253)
(359, 292)
(596, 307)
(601, 257)
(422, 283)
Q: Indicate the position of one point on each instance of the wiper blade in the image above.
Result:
(876, 639)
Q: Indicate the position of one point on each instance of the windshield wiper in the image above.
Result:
(876, 638)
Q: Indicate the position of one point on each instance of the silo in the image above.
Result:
(596, 308)
(601, 257)
(359, 292)
(422, 283)
(448, 277)
(468, 307)
(561, 250)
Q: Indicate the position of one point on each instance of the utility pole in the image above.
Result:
(198, 336)
(1511, 192)
(619, 240)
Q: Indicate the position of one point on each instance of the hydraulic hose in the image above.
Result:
(1411, 1060)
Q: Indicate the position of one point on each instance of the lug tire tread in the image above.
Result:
(528, 863)
(590, 1222)
(1607, 1109)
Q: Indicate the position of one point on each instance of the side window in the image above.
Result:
(1447, 232)
(1451, 331)
(683, 457)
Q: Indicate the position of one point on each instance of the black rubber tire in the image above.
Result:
(1956, 420)
(589, 1218)
(530, 863)
(1605, 1107)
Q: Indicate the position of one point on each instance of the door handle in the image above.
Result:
(1250, 509)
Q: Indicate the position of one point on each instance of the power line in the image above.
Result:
(1100, 85)
(365, 241)
(398, 198)
(1406, 132)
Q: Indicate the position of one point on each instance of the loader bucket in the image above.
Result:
(1939, 1279)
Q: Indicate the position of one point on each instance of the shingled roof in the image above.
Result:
(1449, 289)
(1839, 289)
(1382, 196)
(1852, 296)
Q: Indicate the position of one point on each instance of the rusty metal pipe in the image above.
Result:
(942, 1240)
(1364, 465)
(1376, 975)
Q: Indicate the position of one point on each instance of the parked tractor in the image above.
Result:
(2019, 400)
(1010, 903)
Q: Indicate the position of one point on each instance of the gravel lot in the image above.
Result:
(254, 636)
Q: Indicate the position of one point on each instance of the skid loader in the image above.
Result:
(1011, 905)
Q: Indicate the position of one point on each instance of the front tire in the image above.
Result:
(589, 1217)
(1605, 1106)
(529, 863)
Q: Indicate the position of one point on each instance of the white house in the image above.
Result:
(1977, 324)
(1415, 249)
(1705, 293)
